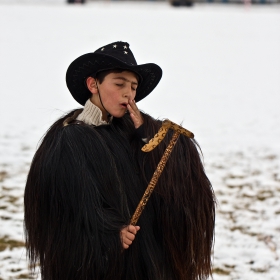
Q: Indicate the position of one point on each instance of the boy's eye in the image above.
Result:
(119, 85)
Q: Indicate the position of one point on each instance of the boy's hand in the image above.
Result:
(134, 113)
(127, 235)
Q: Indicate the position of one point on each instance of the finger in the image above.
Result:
(132, 103)
(137, 119)
(132, 110)
(132, 229)
(136, 228)
(133, 107)
(129, 236)
(127, 241)
(125, 246)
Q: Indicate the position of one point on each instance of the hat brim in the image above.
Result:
(91, 63)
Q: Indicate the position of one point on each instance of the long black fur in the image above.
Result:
(85, 183)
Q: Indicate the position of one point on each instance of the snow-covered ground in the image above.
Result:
(221, 69)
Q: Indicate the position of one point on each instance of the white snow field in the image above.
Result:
(221, 80)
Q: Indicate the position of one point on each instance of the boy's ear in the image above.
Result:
(91, 84)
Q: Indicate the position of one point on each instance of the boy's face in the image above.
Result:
(116, 90)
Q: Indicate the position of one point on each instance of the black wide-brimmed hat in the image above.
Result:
(116, 55)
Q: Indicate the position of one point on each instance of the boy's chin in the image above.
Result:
(120, 115)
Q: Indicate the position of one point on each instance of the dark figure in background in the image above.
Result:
(178, 3)
(76, 1)
(89, 174)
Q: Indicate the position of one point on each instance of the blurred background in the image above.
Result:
(221, 69)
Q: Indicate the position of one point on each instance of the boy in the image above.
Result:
(89, 174)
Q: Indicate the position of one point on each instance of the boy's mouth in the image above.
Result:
(124, 104)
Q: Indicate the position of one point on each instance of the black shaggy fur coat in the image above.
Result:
(85, 183)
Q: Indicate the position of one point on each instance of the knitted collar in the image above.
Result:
(92, 115)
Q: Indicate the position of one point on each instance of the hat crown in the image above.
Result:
(118, 50)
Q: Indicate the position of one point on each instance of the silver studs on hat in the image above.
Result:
(115, 46)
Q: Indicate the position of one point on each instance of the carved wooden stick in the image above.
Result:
(151, 145)
(154, 179)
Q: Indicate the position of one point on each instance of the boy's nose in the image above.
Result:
(128, 92)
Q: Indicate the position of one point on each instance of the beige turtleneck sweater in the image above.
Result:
(92, 115)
